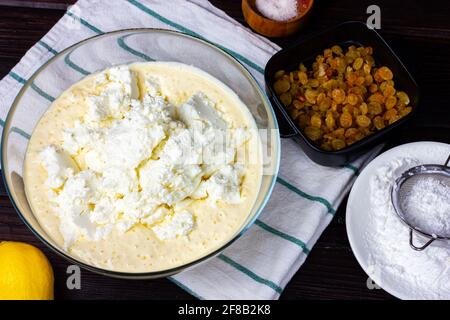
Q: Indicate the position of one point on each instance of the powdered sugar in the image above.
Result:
(427, 205)
(279, 10)
(422, 275)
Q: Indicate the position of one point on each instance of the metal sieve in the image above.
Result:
(401, 188)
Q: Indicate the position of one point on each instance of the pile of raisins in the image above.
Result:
(343, 98)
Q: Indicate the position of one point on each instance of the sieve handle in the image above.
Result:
(411, 242)
(447, 161)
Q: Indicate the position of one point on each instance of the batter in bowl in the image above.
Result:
(144, 167)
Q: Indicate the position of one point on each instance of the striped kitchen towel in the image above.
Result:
(306, 195)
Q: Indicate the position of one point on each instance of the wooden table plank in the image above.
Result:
(41, 4)
(419, 31)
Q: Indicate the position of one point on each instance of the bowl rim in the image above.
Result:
(152, 274)
(358, 145)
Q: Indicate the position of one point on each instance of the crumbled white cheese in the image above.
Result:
(152, 86)
(134, 137)
(58, 164)
(117, 91)
(141, 161)
(72, 205)
(167, 182)
(156, 216)
(223, 185)
(180, 224)
(198, 111)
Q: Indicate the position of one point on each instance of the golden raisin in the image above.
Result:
(339, 132)
(358, 63)
(338, 144)
(389, 114)
(303, 77)
(374, 108)
(336, 50)
(286, 98)
(394, 118)
(316, 121)
(405, 111)
(303, 120)
(325, 104)
(351, 133)
(329, 121)
(348, 108)
(279, 74)
(378, 122)
(313, 133)
(338, 95)
(298, 104)
(373, 88)
(363, 121)
(314, 83)
(403, 97)
(311, 95)
(389, 91)
(368, 80)
(385, 73)
(281, 86)
(346, 120)
(391, 101)
(302, 67)
(363, 108)
(376, 97)
(352, 99)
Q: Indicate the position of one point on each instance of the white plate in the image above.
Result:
(358, 214)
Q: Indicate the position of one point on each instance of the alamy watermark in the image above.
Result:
(374, 20)
(73, 281)
(72, 19)
(374, 272)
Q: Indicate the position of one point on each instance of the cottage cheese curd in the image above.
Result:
(140, 168)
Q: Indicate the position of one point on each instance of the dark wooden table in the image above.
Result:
(419, 31)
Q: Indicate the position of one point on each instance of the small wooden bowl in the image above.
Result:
(272, 28)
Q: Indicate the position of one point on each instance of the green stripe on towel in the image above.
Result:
(74, 66)
(16, 77)
(307, 196)
(283, 235)
(193, 33)
(46, 46)
(353, 168)
(16, 130)
(21, 132)
(67, 59)
(250, 273)
(121, 42)
(85, 23)
(41, 92)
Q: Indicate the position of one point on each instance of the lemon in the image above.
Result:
(25, 273)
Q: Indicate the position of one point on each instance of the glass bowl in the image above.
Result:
(123, 47)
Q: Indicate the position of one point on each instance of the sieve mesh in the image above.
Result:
(402, 188)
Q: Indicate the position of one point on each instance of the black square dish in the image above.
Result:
(346, 34)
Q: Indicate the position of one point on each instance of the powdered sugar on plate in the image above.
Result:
(391, 261)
